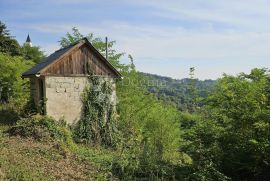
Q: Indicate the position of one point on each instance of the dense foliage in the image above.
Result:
(183, 93)
(240, 106)
(41, 128)
(12, 87)
(8, 44)
(150, 130)
(229, 138)
(14, 60)
(32, 53)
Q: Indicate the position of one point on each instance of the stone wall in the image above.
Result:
(64, 97)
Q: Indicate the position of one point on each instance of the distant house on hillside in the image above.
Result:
(61, 78)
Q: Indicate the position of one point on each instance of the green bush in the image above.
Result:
(42, 128)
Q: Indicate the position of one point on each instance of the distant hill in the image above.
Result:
(177, 91)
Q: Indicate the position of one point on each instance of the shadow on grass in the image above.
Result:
(8, 117)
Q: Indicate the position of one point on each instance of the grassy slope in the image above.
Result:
(27, 159)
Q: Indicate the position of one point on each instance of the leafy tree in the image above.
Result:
(229, 136)
(200, 140)
(241, 106)
(7, 43)
(12, 87)
(32, 53)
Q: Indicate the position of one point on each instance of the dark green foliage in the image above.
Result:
(8, 116)
(14, 91)
(193, 91)
(12, 87)
(200, 141)
(32, 53)
(229, 137)
(241, 106)
(7, 43)
(181, 93)
(14, 60)
(41, 128)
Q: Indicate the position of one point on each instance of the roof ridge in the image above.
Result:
(72, 44)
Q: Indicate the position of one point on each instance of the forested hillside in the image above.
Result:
(178, 91)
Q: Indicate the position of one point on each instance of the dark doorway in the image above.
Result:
(42, 104)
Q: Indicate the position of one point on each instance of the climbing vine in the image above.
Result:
(97, 124)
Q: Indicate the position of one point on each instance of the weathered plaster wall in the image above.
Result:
(64, 97)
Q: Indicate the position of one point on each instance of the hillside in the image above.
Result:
(178, 91)
(32, 158)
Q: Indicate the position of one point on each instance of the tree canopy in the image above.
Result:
(8, 44)
(32, 53)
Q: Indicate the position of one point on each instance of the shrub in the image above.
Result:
(42, 128)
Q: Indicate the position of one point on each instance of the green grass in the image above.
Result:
(26, 158)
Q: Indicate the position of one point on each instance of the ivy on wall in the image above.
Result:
(97, 124)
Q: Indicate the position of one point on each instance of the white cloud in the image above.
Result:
(170, 42)
(239, 13)
(226, 30)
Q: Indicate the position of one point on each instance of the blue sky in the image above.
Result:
(164, 37)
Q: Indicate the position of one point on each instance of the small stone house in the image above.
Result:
(61, 78)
